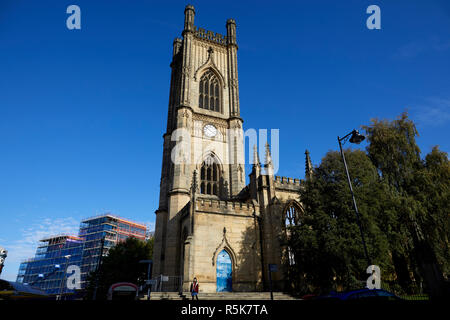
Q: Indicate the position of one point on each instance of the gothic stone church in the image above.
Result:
(209, 223)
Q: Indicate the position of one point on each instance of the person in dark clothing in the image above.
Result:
(194, 289)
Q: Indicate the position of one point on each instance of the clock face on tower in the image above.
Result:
(209, 130)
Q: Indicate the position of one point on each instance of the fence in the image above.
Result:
(395, 288)
(167, 284)
(416, 297)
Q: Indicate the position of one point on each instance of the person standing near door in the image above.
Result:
(194, 289)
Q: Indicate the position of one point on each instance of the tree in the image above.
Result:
(434, 182)
(327, 242)
(121, 265)
(404, 206)
(416, 195)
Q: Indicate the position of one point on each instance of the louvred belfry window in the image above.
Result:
(210, 176)
(209, 92)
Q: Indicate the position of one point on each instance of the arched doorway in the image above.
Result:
(224, 272)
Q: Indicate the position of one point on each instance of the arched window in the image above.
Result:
(210, 176)
(291, 216)
(209, 92)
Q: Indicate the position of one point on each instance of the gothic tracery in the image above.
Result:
(209, 92)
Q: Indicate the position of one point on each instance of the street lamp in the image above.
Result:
(97, 269)
(149, 272)
(357, 138)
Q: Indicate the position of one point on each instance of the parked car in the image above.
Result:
(362, 294)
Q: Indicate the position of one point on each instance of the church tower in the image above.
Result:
(203, 155)
(209, 223)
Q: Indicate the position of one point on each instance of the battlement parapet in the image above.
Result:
(285, 180)
(210, 36)
(226, 207)
(287, 183)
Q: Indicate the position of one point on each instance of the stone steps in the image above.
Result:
(220, 296)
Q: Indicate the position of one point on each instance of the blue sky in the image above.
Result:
(82, 112)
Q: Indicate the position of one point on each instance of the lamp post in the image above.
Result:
(149, 272)
(97, 269)
(357, 138)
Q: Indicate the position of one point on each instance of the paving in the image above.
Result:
(220, 296)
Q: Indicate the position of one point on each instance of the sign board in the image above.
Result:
(273, 268)
(124, 288)
(151, 282)
(164, 278)
(146, 261)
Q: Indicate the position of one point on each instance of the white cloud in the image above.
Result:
(434, 112)
(25, 247)
(421, 46)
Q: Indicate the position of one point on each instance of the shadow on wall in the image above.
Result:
(247, 277)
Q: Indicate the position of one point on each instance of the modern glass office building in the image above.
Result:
(46, 270)
(109, 228)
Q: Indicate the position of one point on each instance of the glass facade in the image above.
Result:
(46, 270)
(110, 228)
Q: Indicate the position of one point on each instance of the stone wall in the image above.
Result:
(231, 226)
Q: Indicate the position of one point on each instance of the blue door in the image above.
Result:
(224, 272)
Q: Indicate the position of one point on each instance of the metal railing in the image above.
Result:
(163, 283)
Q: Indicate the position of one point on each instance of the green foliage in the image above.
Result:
(393, 150)
(327, 244)
(404, 206)
(433, 183)
(121, 265)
